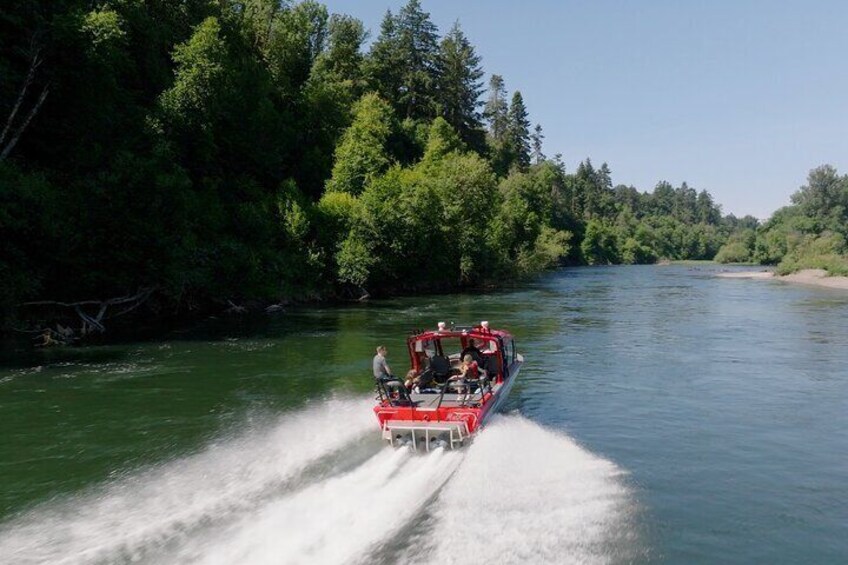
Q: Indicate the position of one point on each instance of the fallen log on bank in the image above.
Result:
(90, 314)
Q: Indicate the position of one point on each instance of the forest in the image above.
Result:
(178, 157)
(810, 233)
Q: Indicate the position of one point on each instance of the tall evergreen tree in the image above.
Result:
(518, 131)
(384, 65)
(418, 42)
(342, 60)
(403, 62)
(459, 83)
(536, 138)
(496, 110)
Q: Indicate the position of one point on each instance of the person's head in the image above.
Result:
(467, 359)
(381, 350)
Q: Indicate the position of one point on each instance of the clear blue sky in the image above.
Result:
(741, 98)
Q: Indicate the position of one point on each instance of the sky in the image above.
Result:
(741, 98)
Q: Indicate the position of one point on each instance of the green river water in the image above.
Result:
(663, 415)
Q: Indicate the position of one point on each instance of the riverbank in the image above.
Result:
(811, 277)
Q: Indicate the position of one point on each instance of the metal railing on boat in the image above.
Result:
(457, 431)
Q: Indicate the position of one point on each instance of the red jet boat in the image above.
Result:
(440, 407)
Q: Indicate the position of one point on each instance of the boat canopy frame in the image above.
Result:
(464, 334)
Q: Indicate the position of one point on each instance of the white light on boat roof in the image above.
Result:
(484, 324)
(441, 326)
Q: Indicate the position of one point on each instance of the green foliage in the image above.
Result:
(496, 110)
(403, 62)
(811, 233)
(200, 72)
(459, 85)
(342, 61)
(825, 251)
(337, 210)
(254, 150)
(600, 244)
(739, 248)
(441, 141)
(361, 153)
(518, 132)
(636, 252)
(355, 259)
(104, 29)
(825, 198)
(834, 264)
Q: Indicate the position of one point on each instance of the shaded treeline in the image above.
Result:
(809, 234)
(218, 152)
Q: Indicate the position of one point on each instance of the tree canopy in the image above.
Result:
(217, 153)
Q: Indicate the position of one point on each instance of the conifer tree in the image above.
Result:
(418, 42)
(403, 62)
(342, 60)
(459, 83)
(384, 66)
(536, 138)
(496, 109)
(518, 131)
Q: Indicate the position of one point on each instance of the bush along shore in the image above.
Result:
(163, 158)
(810, 234)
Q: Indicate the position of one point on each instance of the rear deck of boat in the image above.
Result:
(450, 400)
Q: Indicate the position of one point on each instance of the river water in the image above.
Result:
(663, 415)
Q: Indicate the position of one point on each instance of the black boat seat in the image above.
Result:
(441, 368)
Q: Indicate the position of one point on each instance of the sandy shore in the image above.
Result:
(814, 277)
(747, 275)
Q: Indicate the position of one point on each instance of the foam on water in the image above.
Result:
(525, 494)
(339, 520)
(119, 520)
(519, 494)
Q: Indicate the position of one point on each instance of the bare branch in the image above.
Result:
(23, 126)
(34, 63)
(62, 304)
(95, 322)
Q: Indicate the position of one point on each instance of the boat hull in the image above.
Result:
(455, 423)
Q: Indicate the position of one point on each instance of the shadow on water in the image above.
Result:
(19, 357)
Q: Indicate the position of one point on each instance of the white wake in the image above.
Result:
(317, 488)
(525, 494)
(121, 521)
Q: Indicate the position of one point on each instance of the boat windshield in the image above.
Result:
(449, 350)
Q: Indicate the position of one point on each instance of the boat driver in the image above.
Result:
(473, 349)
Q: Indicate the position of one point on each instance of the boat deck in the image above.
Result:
(431, 400)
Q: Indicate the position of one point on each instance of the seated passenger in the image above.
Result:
(469, 368)
(382, 372)
(411, 379)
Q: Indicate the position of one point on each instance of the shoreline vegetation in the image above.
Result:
(810, 277)
(165, 160)
(811, 234)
